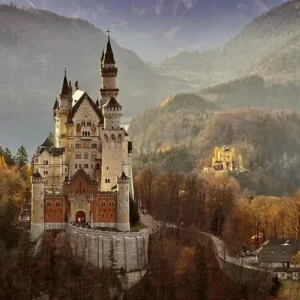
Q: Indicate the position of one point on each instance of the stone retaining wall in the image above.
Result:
(129, 249)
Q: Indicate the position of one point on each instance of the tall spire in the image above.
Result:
(109, 55)
(65, 87)
(102, 56)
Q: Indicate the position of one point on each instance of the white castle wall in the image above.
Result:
(130, 249)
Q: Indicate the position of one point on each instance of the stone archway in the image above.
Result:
(80, 217)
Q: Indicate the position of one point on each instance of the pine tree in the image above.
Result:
(9, 159)
(133, 213)
(21, 157)
(7, 233)
(202, 287)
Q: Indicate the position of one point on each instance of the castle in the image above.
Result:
(86, 177)
(225, 160)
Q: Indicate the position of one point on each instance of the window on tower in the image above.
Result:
(77, 155)
(86, 155)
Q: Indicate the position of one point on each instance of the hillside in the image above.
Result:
(155, 29)
(268, 140)
(175, 122)
(268, 46)
(253, 91)
(36, 46)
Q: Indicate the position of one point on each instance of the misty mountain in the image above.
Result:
(268, 46)
(158, 28)
(36, 46)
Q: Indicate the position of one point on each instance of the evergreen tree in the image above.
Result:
(133, 213)
(1, 151)
(21, 157)
(202, 287)
(9, 159)
(7, 233)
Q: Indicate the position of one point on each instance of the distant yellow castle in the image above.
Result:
(225, 160)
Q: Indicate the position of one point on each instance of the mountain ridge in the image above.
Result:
(164, 25)
(273, 34)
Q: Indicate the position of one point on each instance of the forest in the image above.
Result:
(181, 263)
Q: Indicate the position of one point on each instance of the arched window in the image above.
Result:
(49, 203)
(88, 134)
(111, 204)
(97, 166)
(77, 155)
(105, 138)
(57, 204)
(94, 155)
(113, 138)
(102, 203)
(86, 155)
(119, 139)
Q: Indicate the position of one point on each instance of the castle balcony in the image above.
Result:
(75, 198)
(109, 92)
(86, 138)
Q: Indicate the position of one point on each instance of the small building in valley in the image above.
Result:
(277, 255)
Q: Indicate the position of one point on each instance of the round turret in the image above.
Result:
(112, 112)
(123, 220)
(37, 205)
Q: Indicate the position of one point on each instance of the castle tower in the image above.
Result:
(37, 205)
(64, 105)
(123, 220)
(112, 137)
(127, 162)
(108, 74)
